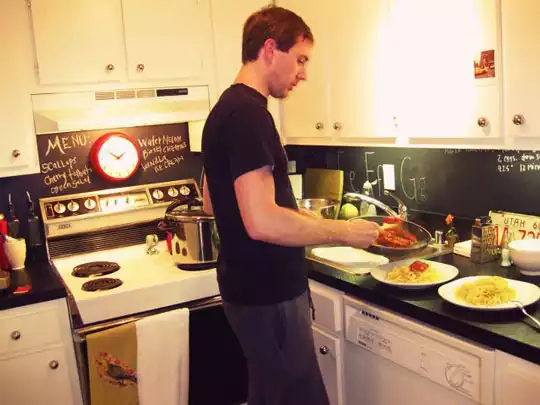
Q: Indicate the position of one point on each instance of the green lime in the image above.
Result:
(348, 211)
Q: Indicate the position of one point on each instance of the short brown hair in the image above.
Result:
(277, 23)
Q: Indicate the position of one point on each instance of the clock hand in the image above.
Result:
(120, 157)
(112, 154)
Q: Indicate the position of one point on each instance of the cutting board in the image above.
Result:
(323, 183)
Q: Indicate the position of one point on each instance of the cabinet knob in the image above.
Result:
(140, 67)
(324, 350)
(15, 335)
(16, 153)
(319, 126)
(482, 122)
(110, 67)
(337, 126)
(53, 364)
(518, 119)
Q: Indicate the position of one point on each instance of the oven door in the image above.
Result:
(217, 366)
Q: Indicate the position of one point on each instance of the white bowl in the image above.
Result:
(525, 254)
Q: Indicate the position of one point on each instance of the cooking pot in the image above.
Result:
(192, 234)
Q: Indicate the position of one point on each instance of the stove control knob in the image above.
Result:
(90, 204)
(185, 191)
(73, 206)
(173, 192)
(157, 194)
(59, 208)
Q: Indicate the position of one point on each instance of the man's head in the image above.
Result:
(281, 41)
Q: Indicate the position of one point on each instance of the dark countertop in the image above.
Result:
(509, 331)
(45, 285)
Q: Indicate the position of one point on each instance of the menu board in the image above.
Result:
(66, 169)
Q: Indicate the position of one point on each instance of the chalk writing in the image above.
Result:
(414, 188)
(161, 163)
(64, 143)
(70, 179)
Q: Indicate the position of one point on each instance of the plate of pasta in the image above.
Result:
(490, 293)
(414, 274)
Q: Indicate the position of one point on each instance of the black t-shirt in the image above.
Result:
(240, 136)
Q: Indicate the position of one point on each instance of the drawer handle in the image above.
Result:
(140, 67)
(16, 335)
(324, 350)
(53, 365)
(16, 153)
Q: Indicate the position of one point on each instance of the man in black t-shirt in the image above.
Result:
(261, 271)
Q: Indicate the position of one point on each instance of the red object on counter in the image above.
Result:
(169, 242)
(4, 262)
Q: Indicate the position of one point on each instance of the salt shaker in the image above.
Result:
(505, 251)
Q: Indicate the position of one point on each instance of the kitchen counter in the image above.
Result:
(45, 285)
(509, 331)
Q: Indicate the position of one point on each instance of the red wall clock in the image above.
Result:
(115, 156)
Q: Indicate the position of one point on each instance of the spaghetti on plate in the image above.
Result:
(414, 274)
(486, 291)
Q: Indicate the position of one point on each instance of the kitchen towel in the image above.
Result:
(163, 358)
(112, 361)
(463, 248)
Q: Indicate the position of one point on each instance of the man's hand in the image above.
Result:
(360, 233)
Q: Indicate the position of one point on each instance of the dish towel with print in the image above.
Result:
(112, 364)
(163, 358)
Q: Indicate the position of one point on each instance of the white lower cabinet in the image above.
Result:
(329, 355)
(328, 338)
(516, 381)
(37, 359)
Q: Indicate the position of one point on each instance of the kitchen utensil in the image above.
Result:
(484, 246)
(194, 237)
(14, 223)
(525, 253)
(34, 233)
(520, 306)
(422, 235)
(526, 293)
(323, 183)
(322, 207)
(445, 272)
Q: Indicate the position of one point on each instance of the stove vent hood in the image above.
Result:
(79, 111)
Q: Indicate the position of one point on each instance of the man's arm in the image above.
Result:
(266, 221)
(207, 203)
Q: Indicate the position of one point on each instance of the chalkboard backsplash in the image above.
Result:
(66, 169)
(466, 183)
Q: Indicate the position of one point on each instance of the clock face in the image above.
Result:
(115, 156)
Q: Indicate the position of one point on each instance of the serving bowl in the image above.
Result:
(525, 254)
(323, 207)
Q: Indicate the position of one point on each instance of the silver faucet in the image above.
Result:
(402, 209)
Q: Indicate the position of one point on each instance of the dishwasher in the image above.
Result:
(392, 360)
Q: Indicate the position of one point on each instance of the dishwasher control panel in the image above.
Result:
(435, 360)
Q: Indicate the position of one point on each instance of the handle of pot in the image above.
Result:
(190, 202)
(165, 226)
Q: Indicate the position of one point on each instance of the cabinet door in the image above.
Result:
(516, 381)
(436, 44)
(40, 378)
(361, 68)
(78, 41)
(305, 112)
(18, 154)
(520, 32)
(328, 350)
(166, 39)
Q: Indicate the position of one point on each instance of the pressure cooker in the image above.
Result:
(192, 233)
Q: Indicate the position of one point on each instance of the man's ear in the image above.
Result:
(268, 50)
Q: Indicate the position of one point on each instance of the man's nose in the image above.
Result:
(302, 75)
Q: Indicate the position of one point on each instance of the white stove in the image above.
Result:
(114, 229)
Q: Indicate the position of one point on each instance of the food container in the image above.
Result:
(322, 207)
(525, 254)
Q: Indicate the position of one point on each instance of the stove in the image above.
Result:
(96, 242)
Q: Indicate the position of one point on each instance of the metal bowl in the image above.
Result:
(323, 207)
(422, 234)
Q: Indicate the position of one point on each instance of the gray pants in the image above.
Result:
(277, 341)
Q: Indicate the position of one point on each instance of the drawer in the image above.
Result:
(328, 307)
(24, 329)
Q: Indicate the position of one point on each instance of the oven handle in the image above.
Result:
(80, 333)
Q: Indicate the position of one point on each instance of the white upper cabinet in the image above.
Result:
(436, 43)
(78, 41)
(99, 41)
(18, 154)
(164, 38)
(520, 33)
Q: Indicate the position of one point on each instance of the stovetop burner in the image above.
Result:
(105, 283)
(95, 269)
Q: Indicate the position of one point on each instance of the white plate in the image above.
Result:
(446, 271)
(349, 256)
(526, 293)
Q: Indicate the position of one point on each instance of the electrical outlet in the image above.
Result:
(291, 166)
(389, 177)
